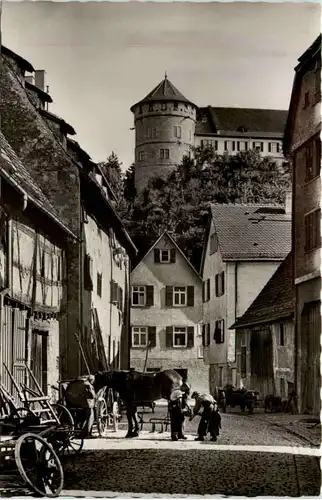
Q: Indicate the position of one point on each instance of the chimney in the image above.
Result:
(40, 79)
(30, 79)
(288, 202)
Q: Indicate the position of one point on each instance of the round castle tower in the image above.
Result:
(164, 132)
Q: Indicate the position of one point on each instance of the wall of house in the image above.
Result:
(282, 361)
(100, 246)
(163, 121)
(159, 315)
(210, 140)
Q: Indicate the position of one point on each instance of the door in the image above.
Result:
(39, 358)
(310, 369)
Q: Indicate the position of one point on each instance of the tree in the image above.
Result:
(180, 202)
(113, 173)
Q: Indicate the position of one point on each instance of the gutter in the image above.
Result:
(37, 204)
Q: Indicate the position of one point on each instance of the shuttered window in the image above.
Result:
(179, 296)
(219, 333)
(312, 230)
(88, 273)
(220, 284)
(165, 256)
(139, 336)
(206, 290)
(206, 334)
(99, 284)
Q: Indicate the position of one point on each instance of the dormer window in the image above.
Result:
(164, 106)
(258, 146)
(165, 256)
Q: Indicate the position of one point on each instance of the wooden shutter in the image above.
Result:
(152, 341)
(190, 334)
(190, 296)
(88, 283)
(208, 334)
(203, 290)
(222, 283)
(269, 147)
(149, 295)
(172, 255)
(169, 336)
(157, 255)
(120, 298)
(203, 335)
(169, 296)
(131, 333)
(208, 290)
(114, 291)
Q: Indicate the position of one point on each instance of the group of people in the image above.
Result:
(210, 421)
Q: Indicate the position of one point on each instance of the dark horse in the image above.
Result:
(134, 387)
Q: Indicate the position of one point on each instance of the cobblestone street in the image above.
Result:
(242, 462)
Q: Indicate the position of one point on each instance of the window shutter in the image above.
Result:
(88, 283)
(169, 336)
(208, 289)
(152, 341)
(120, 297)
(203, 335)
(223, 282)
(191, 296)
(216, 280)
(169, 296)
(172, 255)
(203, 291)
(269, 147)
(222, 336)
(114, 291)
(208, 334)
(190, 339)
(157, 255)
(149, 295)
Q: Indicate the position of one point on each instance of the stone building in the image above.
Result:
(302, 144)
(169, 126)
(244, 245)
(166, 314)
(265, 337)
(33, 241)
(96, 312)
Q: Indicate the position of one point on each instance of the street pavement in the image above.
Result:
(252, 457)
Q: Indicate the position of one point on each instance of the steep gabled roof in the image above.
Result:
(252, 232)
(164, 91)
(275, 301)
(22, 63)
(243, 121)
(13, 170)
(167, 234)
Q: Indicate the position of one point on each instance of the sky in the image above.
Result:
(102, 57)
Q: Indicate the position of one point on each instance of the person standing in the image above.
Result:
(80, 396)
(210, 418)
(176, 409)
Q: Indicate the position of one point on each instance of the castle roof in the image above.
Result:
(275, 301)
(164, 91)
(244, 121)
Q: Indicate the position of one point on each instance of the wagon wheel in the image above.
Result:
(61, 436)
(66, 421)
(39, 465)
(102, 416)
(72, 445)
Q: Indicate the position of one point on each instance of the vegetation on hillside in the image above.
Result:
(180, 203)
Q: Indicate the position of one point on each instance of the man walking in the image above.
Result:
(210, 418)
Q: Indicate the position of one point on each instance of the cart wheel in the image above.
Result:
(73, 445)
(102, 417)
(66, 420)
(39, 465)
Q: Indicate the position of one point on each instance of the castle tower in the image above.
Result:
(164, 132)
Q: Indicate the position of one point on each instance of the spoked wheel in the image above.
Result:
(65, 432)
(102, 417)
(73, 445)
(39, 465)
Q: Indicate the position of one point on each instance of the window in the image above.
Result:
(213, 244)
(177, 131)
(163, 106)
(220, 284)
(312, 230)
(175, 106)
(179, 337)
(209, 143)
(242, 145)
(306, 99)
(139, 336)
(274, 147)
(206, 290)
(165, 256)
(141, 155)
(99, 284)
(258, 145)
(200, 352)
(179, 296)
(219, 333)
(138, 296)
(152, 132)
(312, 154)
(229, 145)
(282, 334)
(150, 107)
(164, 154)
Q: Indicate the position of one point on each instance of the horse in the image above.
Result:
(135, 387)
